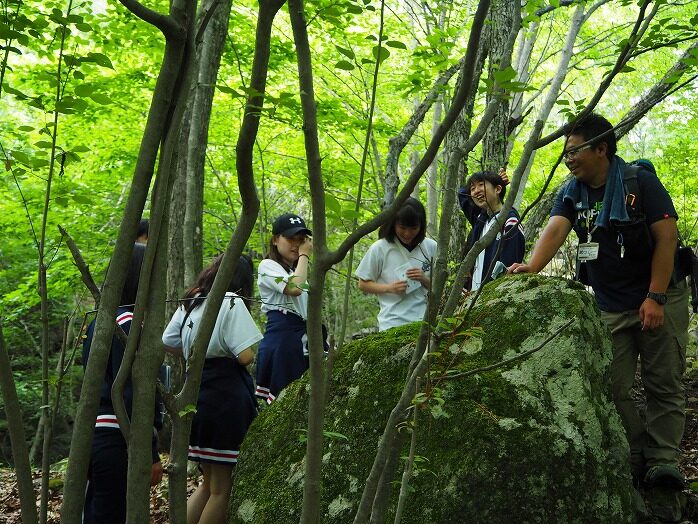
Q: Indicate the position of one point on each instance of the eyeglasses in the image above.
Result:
(571, 154)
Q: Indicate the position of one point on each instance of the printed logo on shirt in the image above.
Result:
(589, 215)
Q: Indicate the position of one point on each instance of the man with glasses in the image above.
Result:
(628, 261)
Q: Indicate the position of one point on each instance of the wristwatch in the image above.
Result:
(659, 298)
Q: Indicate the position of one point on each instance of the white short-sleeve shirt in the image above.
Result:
(235, 330)
(272, 279)
(380, 263)
(479, 267)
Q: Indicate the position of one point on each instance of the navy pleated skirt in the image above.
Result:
(282, 355)
(224, 411)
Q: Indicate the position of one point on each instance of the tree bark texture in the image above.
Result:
(494, 144)
(15, 426)
(181, 415)
(176, 284)
(74, 490)
(208, 60)
(312, 484)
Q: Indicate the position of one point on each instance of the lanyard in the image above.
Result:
(590, 230)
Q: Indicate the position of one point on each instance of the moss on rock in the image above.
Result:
(536, 441)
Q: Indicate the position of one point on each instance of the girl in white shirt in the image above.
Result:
(397, 267)
(226, 405)
(283, 353)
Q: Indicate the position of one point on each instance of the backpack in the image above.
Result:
(685, 260)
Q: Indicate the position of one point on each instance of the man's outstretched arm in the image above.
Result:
(551, 239)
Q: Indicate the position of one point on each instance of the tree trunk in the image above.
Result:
(175, 245)
(78, 461)
(454, 142)
(433, 176)
(208, 59)
(15, 425)
(523, 62)
(494, 144)
(181, 415)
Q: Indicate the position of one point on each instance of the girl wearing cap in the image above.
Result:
(397, 267)
(226, 405)
(283, 353)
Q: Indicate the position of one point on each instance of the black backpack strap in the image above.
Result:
(633, 198)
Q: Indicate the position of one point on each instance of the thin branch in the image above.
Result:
(622, 60)
(164, 23)
(82, 266)
(409, 466)
(507, 361)
(206, 18)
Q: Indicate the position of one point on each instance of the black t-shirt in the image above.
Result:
(619, 283)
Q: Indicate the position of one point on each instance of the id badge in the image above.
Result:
(588, 251)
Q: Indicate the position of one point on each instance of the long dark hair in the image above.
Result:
(411, 214)
(128, 294)
(241, 283)
(273, 253)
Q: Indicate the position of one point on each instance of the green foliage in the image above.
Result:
(102, 94)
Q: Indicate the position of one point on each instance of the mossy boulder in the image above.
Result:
(535, 441)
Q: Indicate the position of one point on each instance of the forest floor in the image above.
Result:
(10, 508)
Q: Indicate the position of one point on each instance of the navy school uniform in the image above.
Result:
(226, 405)
(224, 411)
(283, 354)
(105, 498)
(511, 238)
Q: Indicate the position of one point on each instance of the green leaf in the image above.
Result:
(82, 199)
(380, 53)
(332, 204)
(19, 94)
(331, 11)
(346, 52)
(396, 44)
(333, 435)
(44, 144)
(189, 408)
(21, 156)
(229, 91)
(344, 65)
(351, 213)
(99, 59)
(504, 75)
(101, 98)
(25, 128)
(84, 90)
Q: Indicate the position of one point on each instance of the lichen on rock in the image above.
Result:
(535, 441)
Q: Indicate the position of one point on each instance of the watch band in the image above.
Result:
(659, 298)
